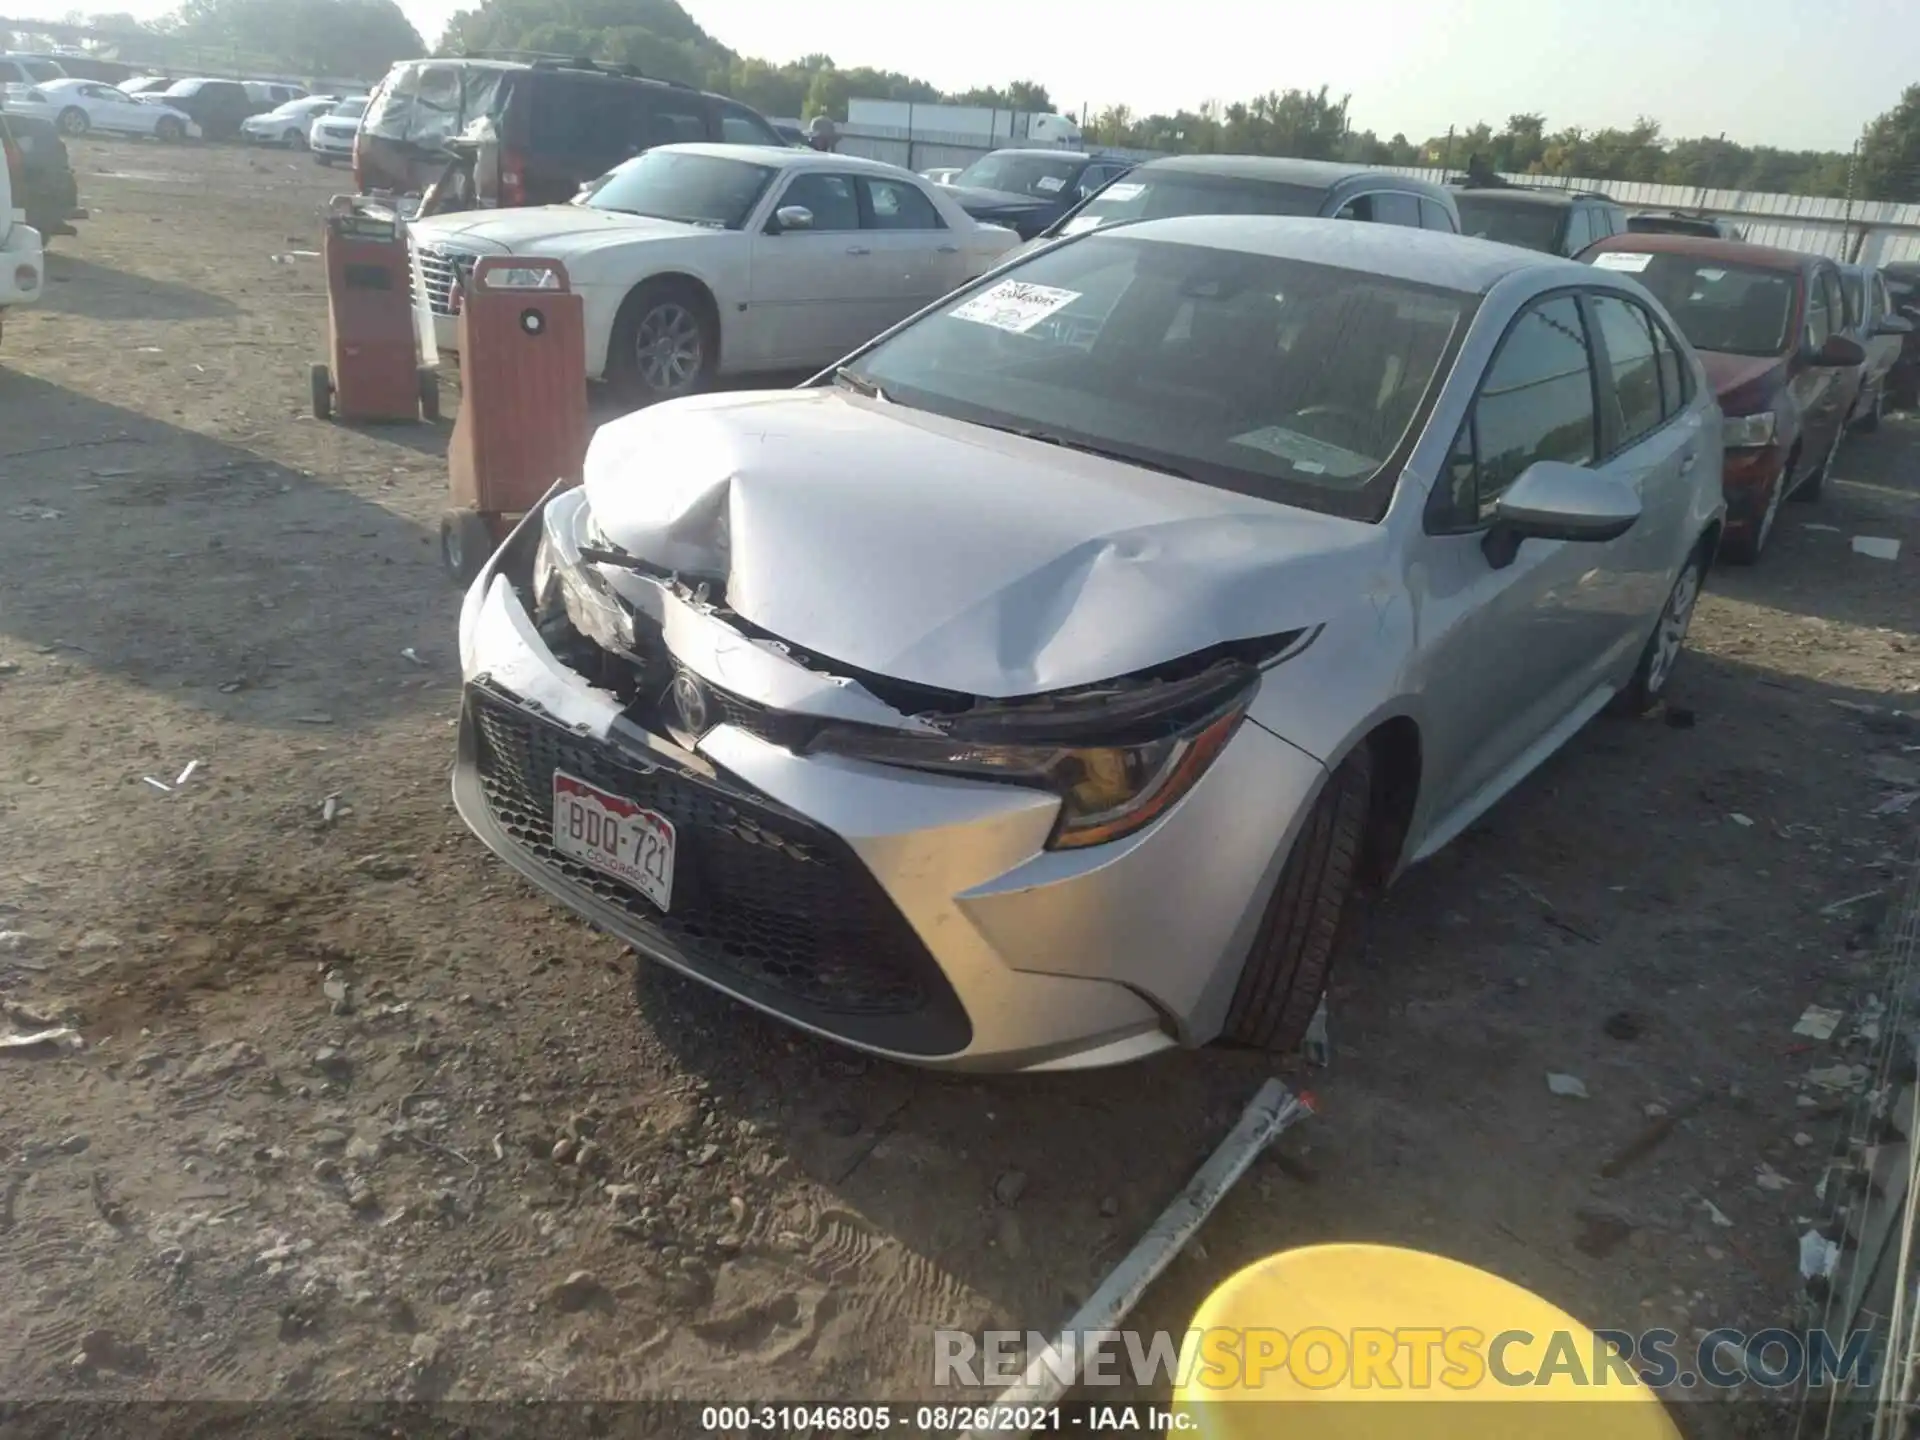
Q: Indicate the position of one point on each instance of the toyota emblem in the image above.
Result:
(689, 703)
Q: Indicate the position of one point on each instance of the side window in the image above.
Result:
(898, 205)
(1676, 379)
(1837, 303)
(1435, 217)
(1820, 320)
(591, 119)
(1535, 403)
(1579, 231)
(675, 123)
(1882, 304)
(1360, 207)
(740, 126)
(1627, 331)
(1091, 179)
(834, 201)
(1393, 208)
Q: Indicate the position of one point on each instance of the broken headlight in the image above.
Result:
(1156, 745)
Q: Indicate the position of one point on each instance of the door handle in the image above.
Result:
(949, 249)
(1688, 461)
(858, 250)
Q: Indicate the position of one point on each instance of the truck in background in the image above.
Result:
(992, 127)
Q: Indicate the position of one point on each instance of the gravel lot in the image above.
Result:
(355, 1104)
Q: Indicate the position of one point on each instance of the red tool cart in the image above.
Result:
(523, 402)
(372, 346)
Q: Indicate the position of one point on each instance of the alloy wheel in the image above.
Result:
(1671, 638)
(667, 348)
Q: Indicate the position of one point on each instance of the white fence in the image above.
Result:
(1871, 232)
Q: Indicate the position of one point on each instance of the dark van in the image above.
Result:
(560, 123)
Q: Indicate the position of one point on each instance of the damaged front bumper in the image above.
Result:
(914, 915)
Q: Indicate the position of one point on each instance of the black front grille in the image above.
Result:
(764, 900)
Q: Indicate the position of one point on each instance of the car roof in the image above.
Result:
(1702, 247)
(1050, 152)
(1505, 193)
(783, 157)
(1398, 252)
(1274, 169)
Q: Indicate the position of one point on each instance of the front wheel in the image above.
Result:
(1286, 970)
(466, 541)
(320, 383)
(74, 122)
(170, 130)
(429, 396)
(665, 343)
(1665, 645)
(1815, 484)
(295, 140)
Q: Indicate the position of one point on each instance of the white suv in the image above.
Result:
(22, 267)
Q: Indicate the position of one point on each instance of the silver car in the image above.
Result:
(1038, 689)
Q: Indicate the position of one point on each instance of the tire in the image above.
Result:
(295, 140)
(429, 396)
(1869, 420)
(1667, 643)
(1815, 485)
(326, 160)
(170, 130)
(73, 122)
(666, 342)
(320, 382)
(1746, 549)
(466, 544)
(1286, 970)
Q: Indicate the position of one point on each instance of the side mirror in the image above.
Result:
(1892, 325)
(1838, 353)
(1556, 501)
(792, 217)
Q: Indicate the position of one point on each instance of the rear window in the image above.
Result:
(1524, 223)
(422, 103)
(43, 69)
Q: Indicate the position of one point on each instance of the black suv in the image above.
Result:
(44, 186)
(1560, 222)
(1027, 190)
(218, 107)
(1262, 185)
(561, 123)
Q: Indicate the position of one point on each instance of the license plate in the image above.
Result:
(614, 836)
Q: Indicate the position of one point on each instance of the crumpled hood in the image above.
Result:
(924, 549)
(969, 198)
(554, 231)
(1743, 381)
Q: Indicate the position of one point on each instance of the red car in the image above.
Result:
(1767, 324)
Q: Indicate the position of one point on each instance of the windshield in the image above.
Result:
(1045, 177)
(698, 189)
(1735, 309)
(1529, 225)
(1146, 195)
(348, 110)
(1275, 378)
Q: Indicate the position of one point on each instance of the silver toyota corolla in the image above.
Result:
(1037, 690)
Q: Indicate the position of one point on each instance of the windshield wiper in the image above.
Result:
(860, 385)
(1086, 447)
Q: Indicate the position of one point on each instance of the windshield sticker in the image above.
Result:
(1626, 260)
(1014, 305)
(1307, 455)
(1123, 191)
(1049, 183)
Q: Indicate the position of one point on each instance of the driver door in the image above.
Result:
(816, 293)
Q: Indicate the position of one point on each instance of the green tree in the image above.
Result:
(1890, 152)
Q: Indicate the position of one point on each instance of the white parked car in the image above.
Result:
(289, 125)
(704, 260)
(330, 136)
(80, 107)
(942, 174)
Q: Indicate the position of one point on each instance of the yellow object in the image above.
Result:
(1310, 1344)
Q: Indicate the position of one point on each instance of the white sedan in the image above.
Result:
(79, 107)
(702, 260)
(288, 125)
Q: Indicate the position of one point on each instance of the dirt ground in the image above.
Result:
(354, 1103)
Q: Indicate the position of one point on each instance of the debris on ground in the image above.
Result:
(1011, 1185)
(1601, 1231)
(1570, 1086)
(1315, 1045)
(1624, 1025)
(1817, 1022)
(1715, 1213)
(1768, 1178)
(37, 1042)
(1818, 1256)
(1745, 822)
(1876, 547)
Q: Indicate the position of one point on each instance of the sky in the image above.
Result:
(1801, 74)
